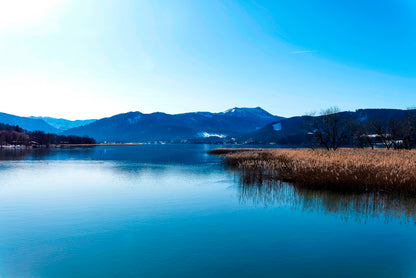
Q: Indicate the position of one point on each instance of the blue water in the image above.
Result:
(174, 211)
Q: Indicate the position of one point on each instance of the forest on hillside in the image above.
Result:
(16, 136)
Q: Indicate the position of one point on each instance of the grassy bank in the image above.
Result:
(356, 170)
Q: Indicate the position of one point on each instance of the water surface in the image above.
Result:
(174, 211)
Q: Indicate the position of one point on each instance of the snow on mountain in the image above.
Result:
(139, 127)
(206, 135)
(277, 127)
(245, 112)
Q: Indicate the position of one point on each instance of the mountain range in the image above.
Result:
(28, 123)
(241, 125)
(45, 124)
(139, 127)
(63, 124)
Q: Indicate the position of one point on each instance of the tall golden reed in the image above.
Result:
(358, 170)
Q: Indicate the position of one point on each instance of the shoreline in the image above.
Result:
(22, 147)
(95, 145)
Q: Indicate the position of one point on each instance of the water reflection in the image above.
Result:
(45, 153)
(261, 190)
(127, 162)
(254, 186)
(14, 154)
(152, 154)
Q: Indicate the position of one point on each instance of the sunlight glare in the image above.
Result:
(18, 13)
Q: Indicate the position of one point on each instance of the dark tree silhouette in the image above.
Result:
(330, 130)
(14, 135)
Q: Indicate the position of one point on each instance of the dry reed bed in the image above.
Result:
(358, 170)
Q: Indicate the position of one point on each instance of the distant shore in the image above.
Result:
(54, 146)
(344, 170)
(94, 145)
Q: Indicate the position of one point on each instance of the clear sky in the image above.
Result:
(90, 59)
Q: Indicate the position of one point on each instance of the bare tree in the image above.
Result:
(3, 134)
(382, 132)
(330, 130)
(389, 133)
(22, 139)
(409, 130)
(362, 138)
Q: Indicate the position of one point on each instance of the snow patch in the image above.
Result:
(277, 127)
(248, 112)
(134, 120)
(363, 117)
(206, 135)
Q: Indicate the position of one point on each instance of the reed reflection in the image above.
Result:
(258, 188)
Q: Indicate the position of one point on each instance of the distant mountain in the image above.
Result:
(27, 123)
(241, 125)
(257, 112)
(139, 127)
(294, 131)
(63, 124)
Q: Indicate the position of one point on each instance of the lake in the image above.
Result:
(175, 211)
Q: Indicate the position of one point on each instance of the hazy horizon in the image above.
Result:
(89, 60)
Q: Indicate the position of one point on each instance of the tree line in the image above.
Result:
(15, 135)
(333, 129)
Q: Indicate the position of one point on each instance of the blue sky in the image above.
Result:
(90, 59)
